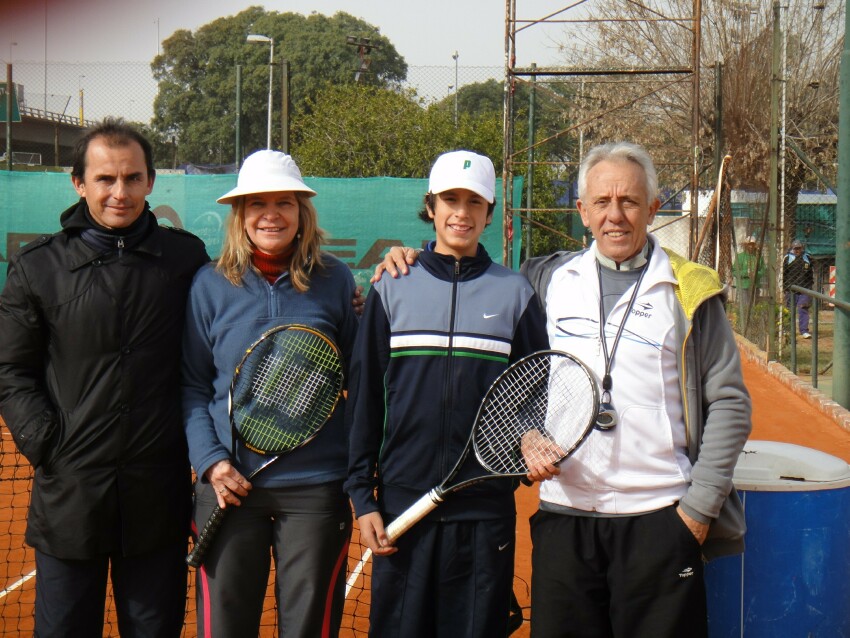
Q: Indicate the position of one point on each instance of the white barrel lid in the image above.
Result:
(785, 467)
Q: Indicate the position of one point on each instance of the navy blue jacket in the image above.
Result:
(429, 346)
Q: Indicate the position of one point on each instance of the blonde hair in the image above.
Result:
(236, 253)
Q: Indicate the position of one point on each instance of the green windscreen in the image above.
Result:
(362, 217)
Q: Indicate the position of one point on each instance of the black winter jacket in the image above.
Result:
(89, 387)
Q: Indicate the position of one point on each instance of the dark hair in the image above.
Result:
(430, 202)
(116, 132)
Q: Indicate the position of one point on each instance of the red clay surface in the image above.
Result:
(779, 414)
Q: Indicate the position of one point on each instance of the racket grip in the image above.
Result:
(413, 514)
(206, 537)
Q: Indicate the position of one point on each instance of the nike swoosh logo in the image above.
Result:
(486, 316)
(503, 547)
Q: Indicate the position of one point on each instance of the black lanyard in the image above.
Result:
(606, 418)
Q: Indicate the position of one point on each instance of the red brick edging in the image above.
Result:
(807, 391)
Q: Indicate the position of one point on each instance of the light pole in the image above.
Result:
(263, 38)
(454, 57)
(157, 36)
(81, 100)
(9, 88)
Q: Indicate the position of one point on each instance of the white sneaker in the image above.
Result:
(806, 335)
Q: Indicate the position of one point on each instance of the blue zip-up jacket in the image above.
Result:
(429, 346)
(222, 320)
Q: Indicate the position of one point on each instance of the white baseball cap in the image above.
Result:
(464, 169)
(267, 172)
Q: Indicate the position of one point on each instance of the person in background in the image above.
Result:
(428, 348)
(748, 275)
(91, 320)
(271, 272)
(797, 271)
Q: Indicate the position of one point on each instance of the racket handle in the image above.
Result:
(413, 514)
(206, 537)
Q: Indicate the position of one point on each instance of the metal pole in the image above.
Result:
(45, 58)
(271, 82)
(238, 149)
(722, 251)
(529, 187)
(695, 123)
(9, 89)
(284, 106)
(718, 117)
(773, 193)
(841, 348)
(455, 56)
(507, 168)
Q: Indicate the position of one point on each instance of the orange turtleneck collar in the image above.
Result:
(273, 266)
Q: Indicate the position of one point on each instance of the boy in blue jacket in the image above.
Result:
(428, 347)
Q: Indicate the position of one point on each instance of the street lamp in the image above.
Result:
(81, 100)
(454, 57)
(262, 38)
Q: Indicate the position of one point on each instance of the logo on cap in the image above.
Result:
(466, 164)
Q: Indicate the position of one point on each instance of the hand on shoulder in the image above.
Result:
(396, 261)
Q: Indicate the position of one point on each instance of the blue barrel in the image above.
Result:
(793, 578)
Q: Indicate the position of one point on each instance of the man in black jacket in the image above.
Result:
(797, 271)
(90, 326)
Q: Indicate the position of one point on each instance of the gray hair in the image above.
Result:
(619, 152)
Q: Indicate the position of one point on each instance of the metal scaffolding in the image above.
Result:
(521, 157)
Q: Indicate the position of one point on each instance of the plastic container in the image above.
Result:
(793, 578)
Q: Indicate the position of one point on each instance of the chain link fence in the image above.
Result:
(80, 93)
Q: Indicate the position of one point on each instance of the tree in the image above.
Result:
(549, 231)
(196, 73)
(366, 131)
(625, 34)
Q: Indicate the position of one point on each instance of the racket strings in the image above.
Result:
(539, 411)
(286, 389)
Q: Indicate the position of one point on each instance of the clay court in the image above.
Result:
(782, 411)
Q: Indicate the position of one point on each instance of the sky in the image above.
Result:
(76, 38)
(424, 32)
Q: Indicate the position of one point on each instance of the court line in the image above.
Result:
(355, 573)
(17, 584)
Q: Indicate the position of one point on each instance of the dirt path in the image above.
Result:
(779, 414)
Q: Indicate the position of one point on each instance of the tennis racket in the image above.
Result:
(541, 408)
(283, 391)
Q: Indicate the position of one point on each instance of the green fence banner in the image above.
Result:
(363, 217)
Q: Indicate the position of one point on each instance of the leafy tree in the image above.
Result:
(478, 97)
(740, 35)
(363, 131)
(550, 231)
(196, 73)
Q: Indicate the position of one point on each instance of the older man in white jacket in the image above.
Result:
(625, 523)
